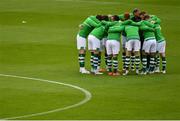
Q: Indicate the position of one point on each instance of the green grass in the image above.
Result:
(45, 47)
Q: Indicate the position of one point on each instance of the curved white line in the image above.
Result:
(86, 99)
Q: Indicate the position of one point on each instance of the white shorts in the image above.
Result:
(124, 40)
(133, 45)
(112, 47)
(149, 46)
(103, 44)
(93, 43)
(161, 47)
(81, 42)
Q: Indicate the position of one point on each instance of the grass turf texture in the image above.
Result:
(45, 47)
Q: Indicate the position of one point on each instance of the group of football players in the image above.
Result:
(141, 40)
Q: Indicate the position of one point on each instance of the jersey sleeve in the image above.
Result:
(95, 19)
(136, 23)
(146, 28)
(127, 22)
(156, 19)
(149, 24)
(93, 23)
(117, 29)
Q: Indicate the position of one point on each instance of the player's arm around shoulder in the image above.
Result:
(144, 27)
(136, 23)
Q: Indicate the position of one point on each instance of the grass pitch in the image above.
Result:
(44, 46)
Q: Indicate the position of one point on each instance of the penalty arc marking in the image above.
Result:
(87, 94)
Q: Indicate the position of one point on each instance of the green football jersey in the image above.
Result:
(101, 31)
(121, 17)
(132, 32)
(148, 32)
(88, 25)
(156, 19)
(148, 23)
(158, 33)
(114, 32)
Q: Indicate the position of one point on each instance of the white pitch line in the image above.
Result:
(86, 99)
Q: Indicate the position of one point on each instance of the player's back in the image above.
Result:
(132, 32)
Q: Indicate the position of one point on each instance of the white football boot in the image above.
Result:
(157, 70)
(96, 72)
(163, 71)
(125, 73)
(84, 71)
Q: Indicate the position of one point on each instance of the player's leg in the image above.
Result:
(124, 59)
(128, 56)
(163, 56)
(109, 63)
(90, 48)
(106, 58)
(124, 52)
(92, 64)
(105, 52)
(109, 55)
(158, 62)
(115, 65)
(115, 50)
(96, 48)
(132, 61)
(81, 46)
(157, 59)
(148, 62)
(152, 56)
(102, 47)
(144, 63)
(95, 61)
(137, 45)
(152, 63)
(145, 52)
(127, 63)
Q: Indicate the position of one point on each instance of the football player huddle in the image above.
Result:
(138, 33)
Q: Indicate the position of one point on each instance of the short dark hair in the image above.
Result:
(105, 17)
(115, 17)
(146, 16)
(126, 16)
(135, 10)
(142, 13)
(99, 17)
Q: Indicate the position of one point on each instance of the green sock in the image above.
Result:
(115, 64)
(144, 62)
(124, 60)
(109, 63)
(92, 57)
(152, 59)
(137, 62)
(82, 60)
(95, 61)
(163, 63)
(127, 62)
(132, 61)
(157, 61)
